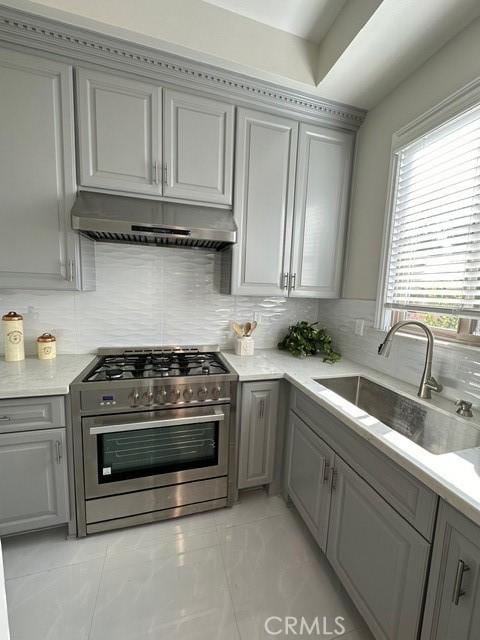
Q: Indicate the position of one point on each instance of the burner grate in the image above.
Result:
(131, 365)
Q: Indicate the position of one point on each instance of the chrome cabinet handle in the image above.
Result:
(71, 270)
(293, 280)
(262, 408)
(58, 451)
(458, 592)
(326, 472)
(156, 177)
(284, 281)
(6, 419)
(333, 478)
(165, 174)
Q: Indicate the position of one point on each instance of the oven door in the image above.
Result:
(136, 451)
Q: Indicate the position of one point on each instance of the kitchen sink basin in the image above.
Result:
(431, 429)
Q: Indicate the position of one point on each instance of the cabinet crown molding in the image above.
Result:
(83, 45)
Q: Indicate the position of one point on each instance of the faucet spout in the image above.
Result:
(428, 382)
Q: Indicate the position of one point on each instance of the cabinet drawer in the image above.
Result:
(25, 414)
(402, 491)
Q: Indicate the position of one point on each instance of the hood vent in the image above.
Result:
(108, 218)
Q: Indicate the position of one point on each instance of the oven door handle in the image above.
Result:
(173, 422)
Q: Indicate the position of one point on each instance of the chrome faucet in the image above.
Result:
(428, 382)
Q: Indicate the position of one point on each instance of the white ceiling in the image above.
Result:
(309, 19)
(399, 37)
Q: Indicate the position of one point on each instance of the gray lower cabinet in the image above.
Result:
(380, 559)
(33, 480)
(309, 472)
(453, 597)
(258, 430)
(38, 249)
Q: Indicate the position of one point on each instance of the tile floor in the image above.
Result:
(214, 576)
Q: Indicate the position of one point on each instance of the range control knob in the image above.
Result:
(188, 394)
(216, 392)
(162, 396)
(202, 393)
(173, 395)
(147, 397)
(134, 397)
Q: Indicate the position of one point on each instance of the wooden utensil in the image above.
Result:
(253, 326)
(238, 329)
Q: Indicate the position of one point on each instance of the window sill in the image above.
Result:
(441, 342)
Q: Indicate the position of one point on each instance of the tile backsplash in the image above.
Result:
(456, 367)
(150, 296)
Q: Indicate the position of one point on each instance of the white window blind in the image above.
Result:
(434, 254)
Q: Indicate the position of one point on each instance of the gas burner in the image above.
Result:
(114, 373)
(150, 365)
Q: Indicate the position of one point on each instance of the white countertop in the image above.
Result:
(34, 377)
(453, 476)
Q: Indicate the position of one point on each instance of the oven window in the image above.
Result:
(146, 452)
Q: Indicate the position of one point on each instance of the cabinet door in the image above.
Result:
(119, 133)
(321, 202)
(38, 249)
(453, 598)
(380, 559)
(33, 478)
(198, 139)
(265, 160)
(258, 429)
(309, 465)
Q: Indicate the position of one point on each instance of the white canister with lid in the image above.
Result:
(46, 346)
(13, 336)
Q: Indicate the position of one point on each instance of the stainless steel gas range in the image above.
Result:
(153, 434)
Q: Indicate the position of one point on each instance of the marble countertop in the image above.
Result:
(453, 476)
(34, 377)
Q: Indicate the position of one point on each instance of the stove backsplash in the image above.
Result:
(150, 296)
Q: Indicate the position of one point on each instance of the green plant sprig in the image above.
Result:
(305, 339)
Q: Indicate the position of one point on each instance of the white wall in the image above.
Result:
(195, 29)
(456, 64)
(150, 296)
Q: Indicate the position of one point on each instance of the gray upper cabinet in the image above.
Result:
(309, 472)
(453, 597)
(321, 202)
(38, 249)
(258, 429)
(198, 143)
(291, 210)
(380, 559)
(265, 158)
(120, 129)
(37, 498)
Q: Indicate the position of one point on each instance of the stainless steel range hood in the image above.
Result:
(109, 218)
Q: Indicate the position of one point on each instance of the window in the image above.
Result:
(432, 264)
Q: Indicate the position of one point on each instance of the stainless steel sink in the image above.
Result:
(431, 429)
